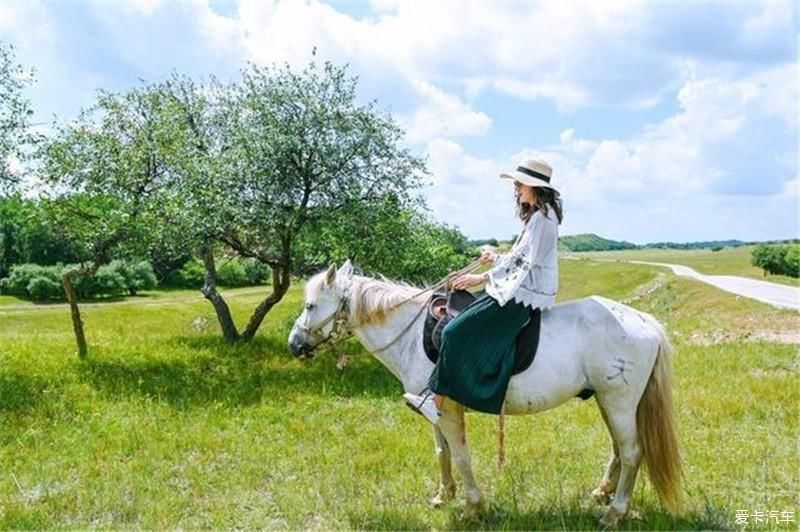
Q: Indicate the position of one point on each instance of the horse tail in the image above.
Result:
(655, 427)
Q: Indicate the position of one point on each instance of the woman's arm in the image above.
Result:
(508, 275)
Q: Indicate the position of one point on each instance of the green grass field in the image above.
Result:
(727, 261)
(165, 426)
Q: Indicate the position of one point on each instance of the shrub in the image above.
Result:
(237, 272)
(791, 261)
(778, 259)
(44, 289)
(232, 273)
(41, 283)
(137, 275)
(21, 275)
(191, 275)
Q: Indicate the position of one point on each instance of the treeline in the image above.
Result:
(283, 169)
(777, 259)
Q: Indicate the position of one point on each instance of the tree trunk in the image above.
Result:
(280, 285)
(77, 324)
(209, 290)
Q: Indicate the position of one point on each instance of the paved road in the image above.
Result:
(778, 295)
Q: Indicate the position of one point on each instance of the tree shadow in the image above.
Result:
(238, 374)
(21, 393)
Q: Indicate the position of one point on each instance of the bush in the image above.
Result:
(40, 283)
(137, 275)
(191, 275)
(238, 272)
(21, 275)
(791, 261)
(780, 259)
(44, 289)
(234, 272)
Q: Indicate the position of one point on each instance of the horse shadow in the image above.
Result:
(575, 515)
(242, 374)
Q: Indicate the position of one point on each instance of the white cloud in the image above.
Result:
(442, 115)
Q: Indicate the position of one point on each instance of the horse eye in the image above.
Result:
(309, 306)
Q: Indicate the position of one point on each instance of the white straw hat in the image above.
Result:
(532, 172)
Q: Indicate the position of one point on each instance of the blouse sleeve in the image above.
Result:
(508, 274)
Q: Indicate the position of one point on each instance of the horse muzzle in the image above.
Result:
(300, 349)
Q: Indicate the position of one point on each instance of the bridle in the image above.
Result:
(338, 317)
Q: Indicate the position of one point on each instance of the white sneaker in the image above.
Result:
(423, 405)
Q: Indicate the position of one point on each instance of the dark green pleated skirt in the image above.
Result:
(476, 357)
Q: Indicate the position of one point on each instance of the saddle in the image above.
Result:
(443, 307)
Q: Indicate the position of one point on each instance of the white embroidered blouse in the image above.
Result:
(529, 272)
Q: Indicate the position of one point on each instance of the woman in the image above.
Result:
(476, 356)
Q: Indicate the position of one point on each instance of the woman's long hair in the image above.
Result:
(545, 198)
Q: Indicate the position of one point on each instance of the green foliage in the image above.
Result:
(15, 114)
(232, 272)
(385, 238)
(22, 276)
(41, 283)
(136, 275)
(280, 149)
(236, 272)
(27, 236)
(780, 259)
(44, 288)
(189, 276)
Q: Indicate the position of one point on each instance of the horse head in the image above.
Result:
(325, 311)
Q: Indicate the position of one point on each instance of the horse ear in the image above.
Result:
(330, 275)
(346, 270)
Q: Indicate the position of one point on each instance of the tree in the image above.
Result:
(26, 236)
(274, 153)
(387, 238)
(778, 259)
(15, 115)
(106, 172)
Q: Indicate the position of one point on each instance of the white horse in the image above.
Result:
(622, 354)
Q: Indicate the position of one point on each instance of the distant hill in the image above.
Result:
(696, 245)
(592, 242)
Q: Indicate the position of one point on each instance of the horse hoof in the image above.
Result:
(442, 497)
(611, 518)
(601, 496)
(472, 511)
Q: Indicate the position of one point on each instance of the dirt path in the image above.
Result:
(777, 295)
(139, 301)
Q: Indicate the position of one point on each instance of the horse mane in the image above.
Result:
(373, 298)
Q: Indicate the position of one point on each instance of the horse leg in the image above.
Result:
(602, 493)
(447, 486)
(454, 430)
(623, 428)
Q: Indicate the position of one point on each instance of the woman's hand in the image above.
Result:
(488, 255)
(462, 282)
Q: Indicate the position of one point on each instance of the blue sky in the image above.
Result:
(662, 120)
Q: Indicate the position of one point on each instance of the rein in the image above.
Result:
(339, 316)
